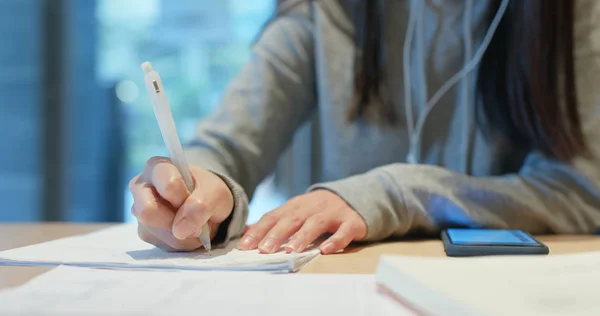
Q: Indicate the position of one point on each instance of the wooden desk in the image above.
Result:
(356, 259)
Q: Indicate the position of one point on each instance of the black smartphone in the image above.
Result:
(465, 242)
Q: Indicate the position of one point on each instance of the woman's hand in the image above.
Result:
(169, 216)
(305, 218)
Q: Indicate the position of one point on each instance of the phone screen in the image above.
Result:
(490, 237)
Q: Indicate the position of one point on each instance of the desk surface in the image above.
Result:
(356, 259)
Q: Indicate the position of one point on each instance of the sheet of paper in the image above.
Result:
(74, 291)
(120, 247)
(503, 285)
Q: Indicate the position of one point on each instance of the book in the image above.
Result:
(498, 285)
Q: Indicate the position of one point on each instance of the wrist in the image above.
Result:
(353, 190)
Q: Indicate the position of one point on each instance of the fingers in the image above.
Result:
(148, 209)
(164, 176)
(306, 218)
(340, 239)
(146, 235)
(171, 217)
(192, 215)
(164, 239)
(155, 218)
(169, 184)
(314, 227)
(280, 233)
(257, 232)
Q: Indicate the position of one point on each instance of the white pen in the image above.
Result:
(162, 111)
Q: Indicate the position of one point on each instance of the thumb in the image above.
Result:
(191, 216)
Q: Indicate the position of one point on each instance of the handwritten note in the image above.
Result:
(120, 247)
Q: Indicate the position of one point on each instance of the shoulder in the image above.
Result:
(294, 8)
(336, 13)
(305, 20)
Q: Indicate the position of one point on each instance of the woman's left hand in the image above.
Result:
(305, 218)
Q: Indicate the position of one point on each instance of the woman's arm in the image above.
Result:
(261, 109)
(544, 196)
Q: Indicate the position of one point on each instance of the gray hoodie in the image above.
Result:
(436, 169)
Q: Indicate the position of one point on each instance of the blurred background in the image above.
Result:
(75, 121)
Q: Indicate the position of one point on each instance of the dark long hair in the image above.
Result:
(522, 95)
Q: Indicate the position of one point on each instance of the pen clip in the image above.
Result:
(155, 86)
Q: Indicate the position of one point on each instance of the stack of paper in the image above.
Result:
(120, 247)
(73, 291)
(502, 285)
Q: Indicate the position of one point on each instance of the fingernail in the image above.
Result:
(246, 242)
(268, 245)
(293, 246)
(327, 248)
(184, 229)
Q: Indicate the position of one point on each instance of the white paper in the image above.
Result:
(73, 291)
(120, 247)
(500, 285)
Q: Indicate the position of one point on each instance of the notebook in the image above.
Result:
(502, 285)
(119, 247)
(74, 291)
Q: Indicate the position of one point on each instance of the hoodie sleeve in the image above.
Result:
(259, 113)
(545, 196)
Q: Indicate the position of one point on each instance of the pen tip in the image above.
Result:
(147, 67)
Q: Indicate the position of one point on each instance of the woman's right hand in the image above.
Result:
(169, 216)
